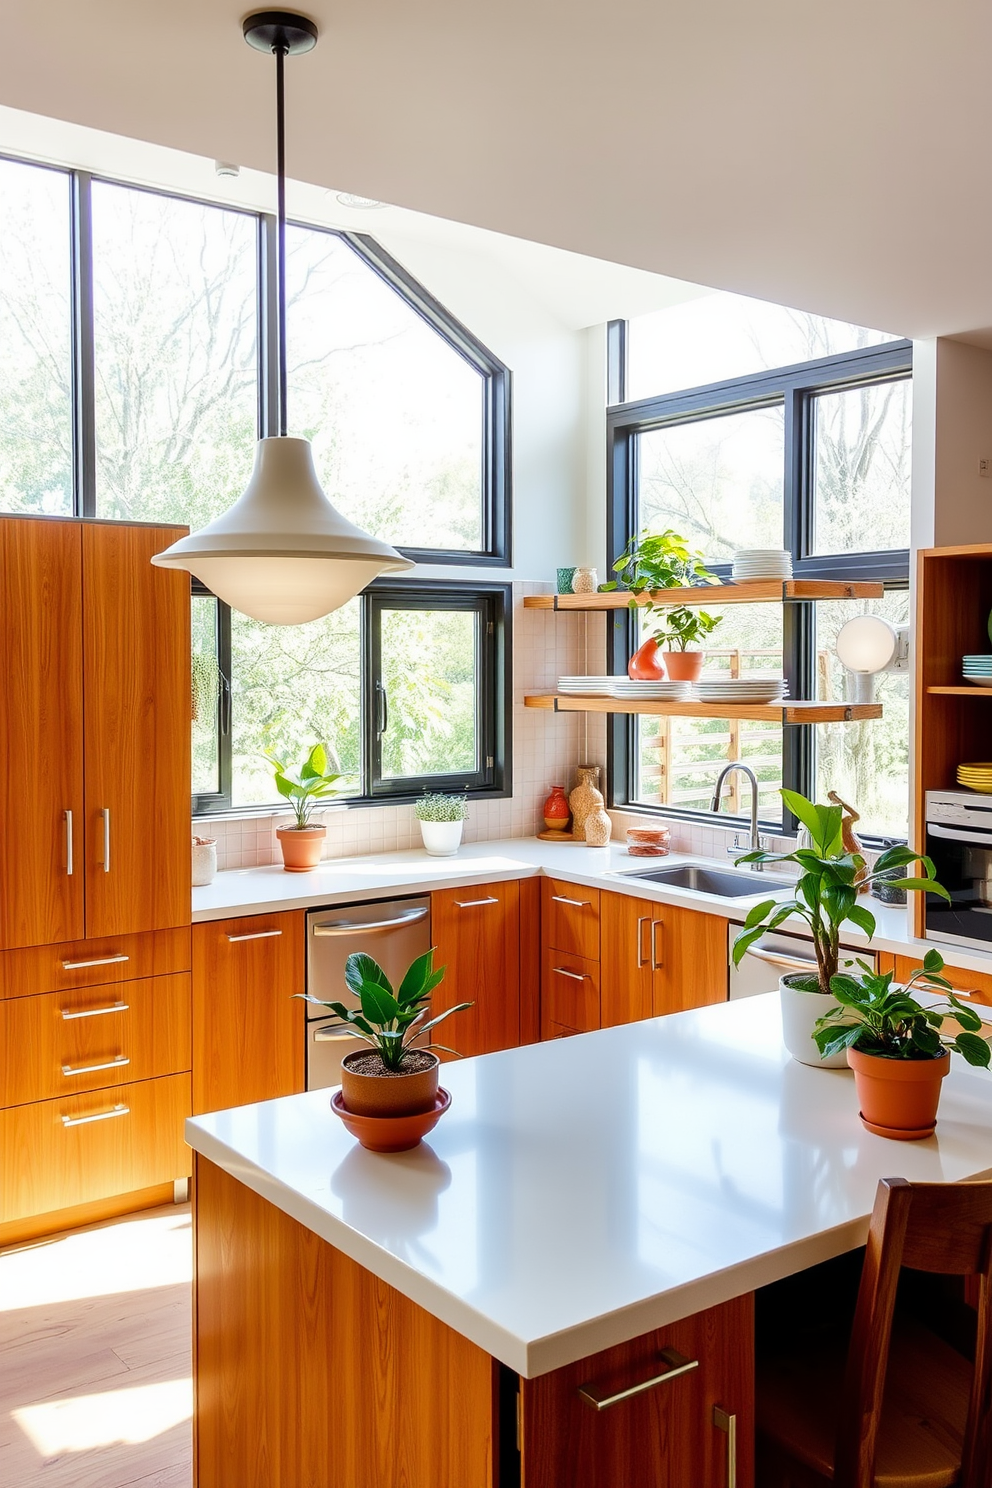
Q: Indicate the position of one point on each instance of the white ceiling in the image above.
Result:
(831, 157)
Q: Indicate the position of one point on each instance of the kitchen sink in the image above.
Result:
(728, 883)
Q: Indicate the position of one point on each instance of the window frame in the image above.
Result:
(794, 387)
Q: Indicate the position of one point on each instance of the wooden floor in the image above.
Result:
(95, 1372)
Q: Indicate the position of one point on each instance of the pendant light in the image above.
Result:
(283, 553)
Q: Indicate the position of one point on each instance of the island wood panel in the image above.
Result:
(476, 933)
(569, 994)
(626, 978)
(138, 1029)
(92, 963)
(136, 667)
(310, 1372)
(664, 1438)
(249, 1027)
(570, 917)
(530, 960)
(41, 709)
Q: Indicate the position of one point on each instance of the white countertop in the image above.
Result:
(583, 1191)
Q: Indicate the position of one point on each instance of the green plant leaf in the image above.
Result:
(360, 969)
(933, 963)
(863, 918)
(921, 886)
(974, 1049)
(757, 913)
(458, 1008)
(803, 811)
(744, 941)
(378, 1005)
(966, 1015)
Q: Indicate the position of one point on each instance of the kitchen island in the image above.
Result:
(593, 1213)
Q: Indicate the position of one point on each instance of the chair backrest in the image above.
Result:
(944, 1228)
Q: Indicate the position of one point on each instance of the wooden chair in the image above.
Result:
(907, 1409)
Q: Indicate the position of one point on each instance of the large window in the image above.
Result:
(813, 456)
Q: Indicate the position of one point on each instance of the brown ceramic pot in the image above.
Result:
(898, 1097)
(646, 665)
(388, 1095)
(391, 1133)
(683, 666)
(301, 850)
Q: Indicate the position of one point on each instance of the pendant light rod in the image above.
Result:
(280, 54)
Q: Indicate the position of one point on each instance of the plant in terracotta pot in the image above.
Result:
(677, 631)
(897, 1047)
(442, 820)
(826, 897)
(302, 843)
(651, 562)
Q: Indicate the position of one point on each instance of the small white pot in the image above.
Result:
(204, 861)
(800, 1011)
(442, 839)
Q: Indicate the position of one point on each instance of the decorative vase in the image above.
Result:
(565, 577)
(442, 839)
(898, 1097)
(598, 827)
(556, 810)
(800, 1011)
(585, 581)
(301, 848)
(683, 666)
(646, 664)
(585, 798)
(204, 861)
(370, 1092)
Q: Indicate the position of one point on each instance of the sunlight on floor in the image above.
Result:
(132, 1415)
(131, 1256)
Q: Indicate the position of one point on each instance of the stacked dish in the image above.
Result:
(977, 669)
(673, 692)
(586, 686)
(762, 563)
(739, 689)
(976, 777)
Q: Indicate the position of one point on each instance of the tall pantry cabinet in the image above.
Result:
(94, 864)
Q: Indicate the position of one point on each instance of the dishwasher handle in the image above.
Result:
(776, 958)
(358, 927)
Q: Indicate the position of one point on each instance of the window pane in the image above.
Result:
(206, 692)
(678, 759)
(861, 468)
(718, 336)
(35, 341)
(867, 764)
(429, 668)
(176, 400)
(716, 481)
(294, 686)
(394, 413)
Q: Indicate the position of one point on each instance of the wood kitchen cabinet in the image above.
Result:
(658, 958)
(476, 933)
(249, 1028)
(975, 986)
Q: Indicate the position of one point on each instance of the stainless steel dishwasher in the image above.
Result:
(775, 955)
(393, 931)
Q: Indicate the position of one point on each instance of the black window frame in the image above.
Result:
(794, 388)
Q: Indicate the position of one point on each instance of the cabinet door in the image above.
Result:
(476, 932)
(248, 1027)
(41, 732)
(690, 958)
(136, 678)
(625, 971)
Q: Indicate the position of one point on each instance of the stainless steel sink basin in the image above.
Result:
(728, 883)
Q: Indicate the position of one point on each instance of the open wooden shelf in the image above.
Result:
(787, 712)
(761, 591)
(963, 690)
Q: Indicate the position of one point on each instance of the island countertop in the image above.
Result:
(583, 1191)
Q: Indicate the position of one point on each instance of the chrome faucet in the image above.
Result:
(754, 841)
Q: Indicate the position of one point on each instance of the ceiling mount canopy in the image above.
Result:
(283, 553)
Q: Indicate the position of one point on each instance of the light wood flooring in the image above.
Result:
(95, 1369)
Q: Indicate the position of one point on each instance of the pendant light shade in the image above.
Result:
(282, 553)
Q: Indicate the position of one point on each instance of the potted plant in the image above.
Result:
(896, 1047)
(678, 630)
(826, 897)
(651, 562)
(441, 820)
(389, 1095)
(303, 843)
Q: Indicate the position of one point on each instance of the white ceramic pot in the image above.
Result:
(204, 861)
(800, 1011)
(442, 839)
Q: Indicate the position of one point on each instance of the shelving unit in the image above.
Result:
(964, 691)
(786, 712)
(763, 591)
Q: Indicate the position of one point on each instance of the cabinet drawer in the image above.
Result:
(54, 1154)
(64, 1043)
(92, 963)
(571, 918)
(569, 993)
(975, 986)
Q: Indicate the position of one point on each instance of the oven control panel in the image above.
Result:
(955, 808)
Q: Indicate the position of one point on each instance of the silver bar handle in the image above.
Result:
(776, 958)
(656, 956)
(327, 1036)
(358, 927)
(474, 903)
(105, 813)
(99, 961)
(97, 1116)
(641, 958)
(68, 843)
(725, 1421)
(90, 1069)
(959, 834)
(574, 903)
(256, 935)
(115, 1007)
(677, 1364)
(575, 976)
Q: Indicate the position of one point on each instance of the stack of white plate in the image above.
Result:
(977, 670)
(739, 689)
(674, 692)
(762, 563)
(586, 686)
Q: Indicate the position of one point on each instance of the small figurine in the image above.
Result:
(849, 838)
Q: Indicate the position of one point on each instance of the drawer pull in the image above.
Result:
(678, 1364)
(256, 935)
(641, 958)
(90, 1069)
(97, 1116)
(68, 842)
(575, 976)
(100, 961)
(724, 1421)
(574, 903)
(115, 1007)
(105, 813)
(656, 955)
(473, 903)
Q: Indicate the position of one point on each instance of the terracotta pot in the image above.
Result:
(301, 850)
(898, 1097)
(646, 664)
(683, 666)
(391, 1133)
(388, 1095)
(585, 797)
(800, 1011)
(556, 810)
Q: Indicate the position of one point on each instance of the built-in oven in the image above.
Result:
(959, 840)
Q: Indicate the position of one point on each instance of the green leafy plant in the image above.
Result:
(390, 1022)
(681, 628)
(826, 892)
(661, 560)
(877, 1018)
(303, 788)
(435, 807)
